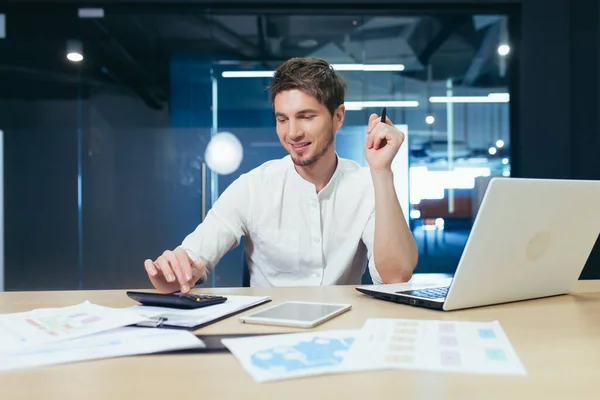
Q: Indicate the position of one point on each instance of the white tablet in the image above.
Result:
(300, 314)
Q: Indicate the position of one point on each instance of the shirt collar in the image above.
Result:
(327, 189)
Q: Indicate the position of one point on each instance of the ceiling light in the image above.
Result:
(503, 49)
(491, 98)
(353, 105)
(492, 150)
(74, 51)
(368, 67)
(505, 161)
(501, 97)
(75, 57)
(2, 26)
(337, 67)
(91, 13)
(430, 119)
(306, 43)
(247, 74)
(359, 105)
(499, 143)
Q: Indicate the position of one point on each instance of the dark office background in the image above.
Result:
(554, 133)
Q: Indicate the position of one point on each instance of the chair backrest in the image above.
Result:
(245, 269)
(246, 272)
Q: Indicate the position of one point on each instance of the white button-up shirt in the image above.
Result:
(293, 236)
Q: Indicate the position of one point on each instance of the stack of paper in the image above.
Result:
(82, 332)
(194, 319)
(444, 346)
(48, 325)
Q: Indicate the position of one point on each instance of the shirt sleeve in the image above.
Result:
(368, 237)
(223, 227)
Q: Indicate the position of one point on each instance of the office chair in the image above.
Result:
(246, 272)
(245, 268)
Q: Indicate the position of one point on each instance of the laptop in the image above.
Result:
(530, 239)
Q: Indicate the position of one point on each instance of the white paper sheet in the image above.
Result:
(115, 343)
(49, 325)
(449, 346)
(188, 318)
(294, 355)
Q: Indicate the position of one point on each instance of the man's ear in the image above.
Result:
(338, 116)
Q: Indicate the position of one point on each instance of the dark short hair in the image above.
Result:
(314, 77)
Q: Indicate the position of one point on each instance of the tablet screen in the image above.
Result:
(298, 311)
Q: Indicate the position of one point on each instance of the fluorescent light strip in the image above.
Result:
(353, 105)
(491, 98)
(359, 105)
(247, 74)
(368, 67)
(500, 96)
(2, 26)
(337, 67)
(91, 13)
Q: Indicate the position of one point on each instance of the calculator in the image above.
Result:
(177, 299)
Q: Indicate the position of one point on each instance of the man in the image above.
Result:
(311, 218)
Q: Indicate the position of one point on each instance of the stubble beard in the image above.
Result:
(315, 157)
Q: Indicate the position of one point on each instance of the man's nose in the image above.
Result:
(295, 132)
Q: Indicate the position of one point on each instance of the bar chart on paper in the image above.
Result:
(21, 330)
(57, 325)
(446, 346)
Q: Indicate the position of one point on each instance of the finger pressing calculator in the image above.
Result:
(176, 300)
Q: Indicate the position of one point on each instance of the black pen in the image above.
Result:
(383, 141)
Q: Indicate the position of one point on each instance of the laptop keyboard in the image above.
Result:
(428, 293)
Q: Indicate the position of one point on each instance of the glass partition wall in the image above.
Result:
(121, 127)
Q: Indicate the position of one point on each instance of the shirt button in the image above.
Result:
(317, 240)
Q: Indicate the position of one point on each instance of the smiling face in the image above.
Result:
(305, 127)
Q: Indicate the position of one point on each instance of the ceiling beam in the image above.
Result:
(48, 75)
(485, 51)
(134, 76)
(230, 38)
(450, 25)
(386, 32)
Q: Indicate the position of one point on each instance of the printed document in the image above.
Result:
(185, 318)
(293, 355)
(446, 346)
(119, 342)
(49, 325)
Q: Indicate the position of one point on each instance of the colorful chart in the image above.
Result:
(294, 355)
(451, 346)
(318, 352)
(61, 324)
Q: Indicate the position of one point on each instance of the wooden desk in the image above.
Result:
(557, 339)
